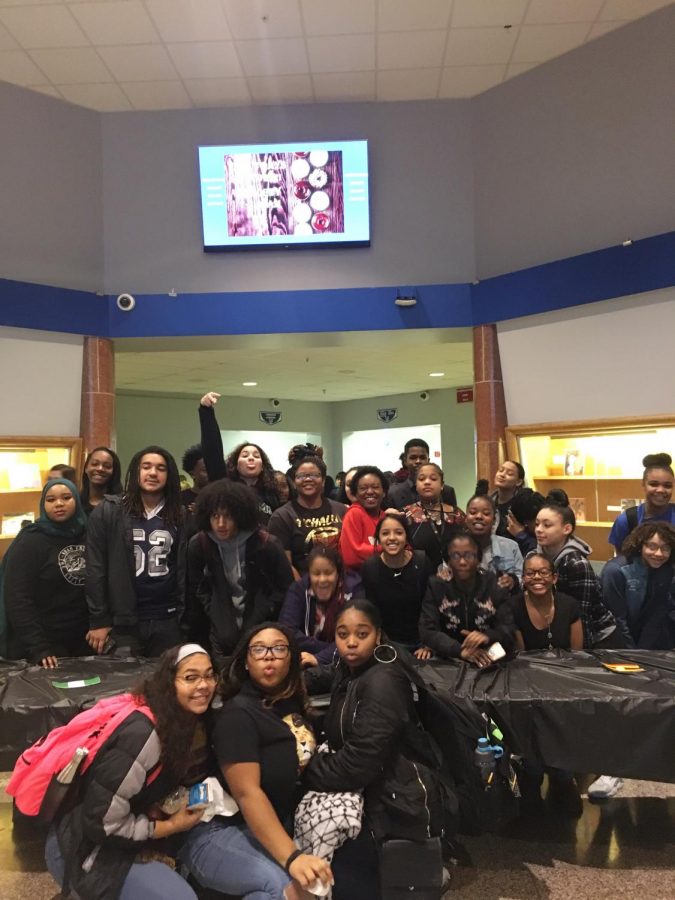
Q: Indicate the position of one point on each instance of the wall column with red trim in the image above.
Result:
(489, 401)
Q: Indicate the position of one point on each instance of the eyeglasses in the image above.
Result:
(260, 651)
(537, 573)
(307, 476)
(193, 678)
(657, 548)
(468, 555)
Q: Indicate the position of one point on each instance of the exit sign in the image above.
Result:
(465, 395)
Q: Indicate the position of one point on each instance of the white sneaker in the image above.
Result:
(605, 786)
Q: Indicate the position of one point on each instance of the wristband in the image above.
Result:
(291, 859)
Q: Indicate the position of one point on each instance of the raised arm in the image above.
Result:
(211, 440)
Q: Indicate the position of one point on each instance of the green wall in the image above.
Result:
(172, 422)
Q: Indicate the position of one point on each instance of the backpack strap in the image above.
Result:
(632, 518)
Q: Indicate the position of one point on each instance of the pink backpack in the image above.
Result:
(34, 784)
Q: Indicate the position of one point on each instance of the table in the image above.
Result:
(568, 710)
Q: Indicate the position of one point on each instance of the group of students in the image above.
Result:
(276, 584)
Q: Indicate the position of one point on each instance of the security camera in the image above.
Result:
(275, 403)
(126, 302)
(424, 396)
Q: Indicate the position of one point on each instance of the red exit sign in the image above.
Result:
(465, 395)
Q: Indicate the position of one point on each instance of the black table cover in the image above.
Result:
(568, 710)
(31, 703)
(562, 707)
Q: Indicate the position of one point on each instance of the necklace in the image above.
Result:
(547, 617)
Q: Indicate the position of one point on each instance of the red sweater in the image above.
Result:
(357, 537)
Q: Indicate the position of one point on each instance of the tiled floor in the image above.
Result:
(623, 848)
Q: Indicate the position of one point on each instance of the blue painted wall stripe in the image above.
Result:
(647, 265)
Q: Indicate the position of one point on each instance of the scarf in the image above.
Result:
(233, 557)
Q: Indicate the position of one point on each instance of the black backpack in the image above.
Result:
(456, 723)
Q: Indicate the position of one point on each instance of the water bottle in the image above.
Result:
(484, 758)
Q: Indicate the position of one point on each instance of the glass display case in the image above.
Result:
(597, 464)
(24, 463)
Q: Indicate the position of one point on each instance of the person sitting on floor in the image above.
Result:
(376, 745)
(95, 845)
(263, 739)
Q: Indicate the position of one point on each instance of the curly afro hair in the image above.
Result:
(237, 499)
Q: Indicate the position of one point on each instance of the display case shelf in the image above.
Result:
(24, 463)
(597, 464)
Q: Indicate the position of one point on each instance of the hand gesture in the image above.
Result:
(305, 869)
(474, 639)
(477, 656)
(49, 662)
(96, 638)
(209, 399)
(423, 653)
(308, 659)
(185, 819)
(506, 581)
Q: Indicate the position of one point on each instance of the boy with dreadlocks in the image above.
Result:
(135, 560)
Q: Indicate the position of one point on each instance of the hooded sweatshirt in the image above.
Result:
(577, 578)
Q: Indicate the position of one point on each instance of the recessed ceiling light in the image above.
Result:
(249, 383)
(436, 374)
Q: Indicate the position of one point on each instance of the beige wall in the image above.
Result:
(41, 378)
(605, 360)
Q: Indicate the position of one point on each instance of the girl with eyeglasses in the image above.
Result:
(262, 740)
(105, 845)
(545, 618)
(463, 617)
(309, 518)
(639, 587)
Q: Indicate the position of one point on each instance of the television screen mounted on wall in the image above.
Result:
(278, 196)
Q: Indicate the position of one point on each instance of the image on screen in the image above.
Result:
(271, 195)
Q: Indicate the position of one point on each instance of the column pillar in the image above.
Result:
(97, 418)
(489, 402)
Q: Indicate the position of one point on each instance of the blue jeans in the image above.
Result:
(151, 881)
(228, 858)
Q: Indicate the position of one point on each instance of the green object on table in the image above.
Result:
(78, 683)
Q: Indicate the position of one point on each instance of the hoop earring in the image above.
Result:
(386, 647)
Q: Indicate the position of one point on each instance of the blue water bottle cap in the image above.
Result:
(483, 745)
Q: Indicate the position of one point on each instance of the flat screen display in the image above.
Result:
(285, 195)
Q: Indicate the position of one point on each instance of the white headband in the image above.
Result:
(188, 650)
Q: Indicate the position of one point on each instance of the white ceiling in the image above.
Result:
(327, 366)
(173, 54)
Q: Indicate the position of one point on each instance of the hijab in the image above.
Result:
(73, 527)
